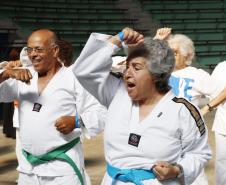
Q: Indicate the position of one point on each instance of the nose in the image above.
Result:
(32, 54)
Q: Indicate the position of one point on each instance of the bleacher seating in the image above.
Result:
(71, 20)
(204, 21)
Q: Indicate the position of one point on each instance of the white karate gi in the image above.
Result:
(37, 131)
(169, 133)
(219, 125)
(192, 83)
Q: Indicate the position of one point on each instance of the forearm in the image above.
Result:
(94, 64)
(92, 114)
(94, 121)
(3, 64)
(8, 90)
(4, 75)
(192, 167)
(194, 161)
(219, 99)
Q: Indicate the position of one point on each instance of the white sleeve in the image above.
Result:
(205, 84)
(92, 113)
(218, 79)
(24, 58)
(2, 64)
(9, 90)
(93, 66)
(195, 149)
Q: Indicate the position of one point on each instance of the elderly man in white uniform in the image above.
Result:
(163, 142)
(49, 92)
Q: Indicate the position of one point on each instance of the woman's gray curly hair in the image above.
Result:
(160, 61)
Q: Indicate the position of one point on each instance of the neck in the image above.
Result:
(51, 72)
(153, 99)
(179, 68)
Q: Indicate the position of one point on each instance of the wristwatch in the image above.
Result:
(180, 176)
(209, 107)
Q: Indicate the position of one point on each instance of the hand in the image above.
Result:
(162, 33)
(165, 170)
(65, 124)
(13, 64)
(23, 75)
(3, 64)
(131, 38)
(204, 110)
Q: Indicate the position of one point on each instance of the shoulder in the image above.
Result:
(220, 66)
(197, 72)
(219, 69)
(186, 72)
(185, 102)
(194, 112)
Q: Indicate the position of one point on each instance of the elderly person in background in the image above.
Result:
(65, 52)
(151, 137)
(186, 81)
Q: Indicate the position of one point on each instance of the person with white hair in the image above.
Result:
(187, 81)
(151, 137)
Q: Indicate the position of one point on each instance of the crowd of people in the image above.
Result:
(147, 106)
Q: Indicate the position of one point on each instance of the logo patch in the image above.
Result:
(134, 139)
(37, 107)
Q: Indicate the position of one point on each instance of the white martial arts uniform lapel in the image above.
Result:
(138, 126)
(51, 86)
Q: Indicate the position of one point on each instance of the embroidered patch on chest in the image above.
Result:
(37, 107)
(134, 139)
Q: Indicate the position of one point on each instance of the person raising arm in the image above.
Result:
(151, 136)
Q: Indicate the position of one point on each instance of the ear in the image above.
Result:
(56, 51)
(189, 57)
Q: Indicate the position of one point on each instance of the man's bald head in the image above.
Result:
(43, 51)
(47, 36)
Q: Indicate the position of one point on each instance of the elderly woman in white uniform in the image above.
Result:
(187, 81)
(151, 137)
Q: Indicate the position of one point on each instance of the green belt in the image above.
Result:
(58, 153)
